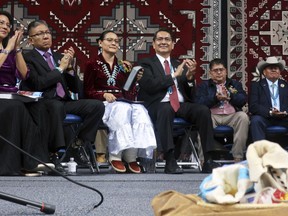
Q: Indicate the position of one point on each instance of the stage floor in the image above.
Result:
(124, 194)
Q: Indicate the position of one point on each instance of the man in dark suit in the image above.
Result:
(268, 100)
(52, 74)
(163, 77)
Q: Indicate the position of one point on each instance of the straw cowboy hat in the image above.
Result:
(271, 61)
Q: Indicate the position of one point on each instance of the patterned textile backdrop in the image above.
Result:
(239, 31)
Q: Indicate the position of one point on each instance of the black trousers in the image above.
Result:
(90, 110)
(162, 116)
(18, 126)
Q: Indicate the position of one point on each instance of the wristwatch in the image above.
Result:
(270, 112)
(59, 69)
(18, 50)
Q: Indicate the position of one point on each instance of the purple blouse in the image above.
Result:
(9, 74)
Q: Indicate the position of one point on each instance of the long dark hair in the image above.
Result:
(102, 37)
(10, 18)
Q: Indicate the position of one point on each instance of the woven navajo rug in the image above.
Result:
(242, 32)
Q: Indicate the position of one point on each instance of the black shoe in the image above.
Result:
(56, 161)
(173, 169)
(80, 156)
(209, 165)
(218, 147)
(171, 166)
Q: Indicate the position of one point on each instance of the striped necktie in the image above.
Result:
(59, 89)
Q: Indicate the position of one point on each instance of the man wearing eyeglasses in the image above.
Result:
(166, 89)
(52, 73)
(225, 98)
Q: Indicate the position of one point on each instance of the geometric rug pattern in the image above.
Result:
(247, 32)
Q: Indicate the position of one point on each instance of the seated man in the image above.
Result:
(52, 74)
(166, 89)
(268, 101)
(225, 98)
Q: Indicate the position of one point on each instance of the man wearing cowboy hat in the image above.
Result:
(268, 101)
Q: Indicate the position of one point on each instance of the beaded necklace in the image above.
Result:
(111, 77)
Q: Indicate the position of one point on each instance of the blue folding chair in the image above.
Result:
(224, 134)
(277, 134)
(276, 130)
(180, 127)
(74, 122)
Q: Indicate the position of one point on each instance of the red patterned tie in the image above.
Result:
(174, 101)
(59, 89)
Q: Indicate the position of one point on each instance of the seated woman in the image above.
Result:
(131, 132)
(17, 125)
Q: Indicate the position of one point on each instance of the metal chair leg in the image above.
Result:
(194, 152)
(92, 157)
(86, 155)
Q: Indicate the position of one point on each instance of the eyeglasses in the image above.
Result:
(41, 34)
(217, 70)
(166, 39)
(3, 23)
(110, 40)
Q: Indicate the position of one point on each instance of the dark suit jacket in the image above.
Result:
(206, 94)
(260, 100)
(154, 83)
(42, 78)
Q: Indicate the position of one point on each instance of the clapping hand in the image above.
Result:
(67, 58)
(179, 69)
(191, 65)
(222, 94)
(14, 41)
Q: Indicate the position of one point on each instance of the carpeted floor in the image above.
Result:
(124, 194)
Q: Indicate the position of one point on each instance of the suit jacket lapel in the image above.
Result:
(41, 60)
(282, 93)
(159, 66)
(265, 87)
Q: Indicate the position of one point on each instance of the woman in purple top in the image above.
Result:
(17, 124)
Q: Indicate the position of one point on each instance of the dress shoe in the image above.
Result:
(134, 167)
(218, 147)
(57, 163)
(43, 168)
(38, 170)
(209, 165)
(80, 156)
(173, 169)
(171, 166)
(32, 174)
(118, 166)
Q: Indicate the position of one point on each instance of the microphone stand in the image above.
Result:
(45, 208)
